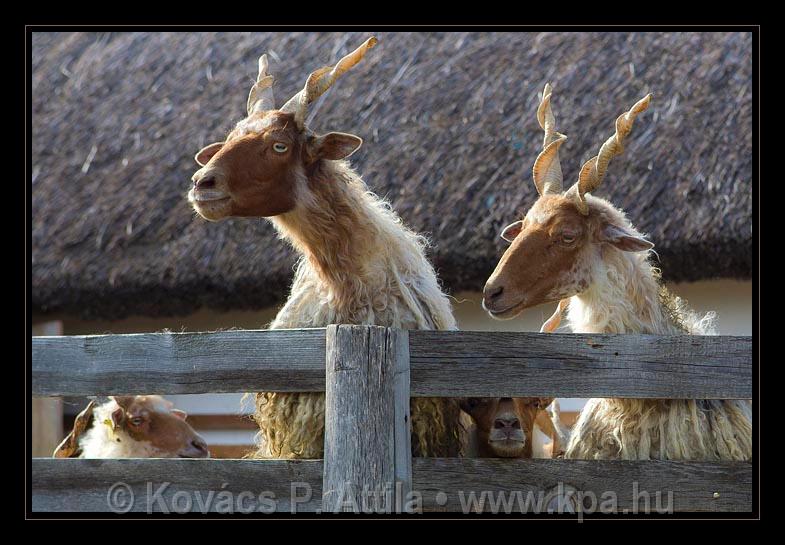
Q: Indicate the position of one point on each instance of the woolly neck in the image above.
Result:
(337, 226)
(626, 297)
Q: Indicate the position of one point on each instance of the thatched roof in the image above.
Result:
(450, 138)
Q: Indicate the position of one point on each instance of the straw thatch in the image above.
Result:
(450, 138)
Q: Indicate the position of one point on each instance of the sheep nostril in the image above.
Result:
(501, 423)
(207, 182)
(199, 445)
(494, 293)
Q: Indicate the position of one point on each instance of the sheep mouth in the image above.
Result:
(507, 448)
(207, 196)
(506, 313)
(507, 441)
(211, 209)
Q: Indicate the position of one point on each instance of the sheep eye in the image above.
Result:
(280, 148)
(137, 421)
(568, 238)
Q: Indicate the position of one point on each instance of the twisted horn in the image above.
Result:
(547, 172)
(593, 171)
(261, 96)
(321, 80)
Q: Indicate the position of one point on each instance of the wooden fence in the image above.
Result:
(371, 372)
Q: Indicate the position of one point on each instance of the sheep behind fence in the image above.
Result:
(374, 371)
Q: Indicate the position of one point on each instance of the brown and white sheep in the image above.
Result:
(359, 263)
(132, 427)
(581, 250)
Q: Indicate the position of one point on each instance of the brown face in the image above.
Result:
(554, 252)
(252, 173)
(261, 168)
(505, 426)
(151, 419)
(546, 261)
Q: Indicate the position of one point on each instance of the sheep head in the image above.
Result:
(154, 420)
(505, 426)
(261, 167)
(147, 420)
(553, 248)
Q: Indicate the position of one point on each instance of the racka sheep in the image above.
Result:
(132, 427)
(580, 250)
(359, 263)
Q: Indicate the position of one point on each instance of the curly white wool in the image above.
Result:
(626, 297)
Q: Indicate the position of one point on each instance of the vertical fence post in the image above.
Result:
(398, 346)
(367, 451)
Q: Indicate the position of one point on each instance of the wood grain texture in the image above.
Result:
(443, 363)
(359, 430)
(179, 363)
(78, 485)
(492, 364)
(695, 486)
(398, 346)
(81, 485)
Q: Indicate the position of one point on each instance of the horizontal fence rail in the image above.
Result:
(443, 363)
(442, 484)
(142, 485)
(693, 486)
(179, 363)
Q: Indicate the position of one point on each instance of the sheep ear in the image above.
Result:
(333, 146)
(69, 447)
(124, 401)
(206, 153)
(182, 415)
(117, 417)
(511, 231)
(623, 239)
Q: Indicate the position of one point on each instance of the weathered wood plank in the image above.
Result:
(398, 346)
(449, 484)
(359, 430)
(179, 363)
(80, 485)
(492, 364)
(443, 363)
(77, 485)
